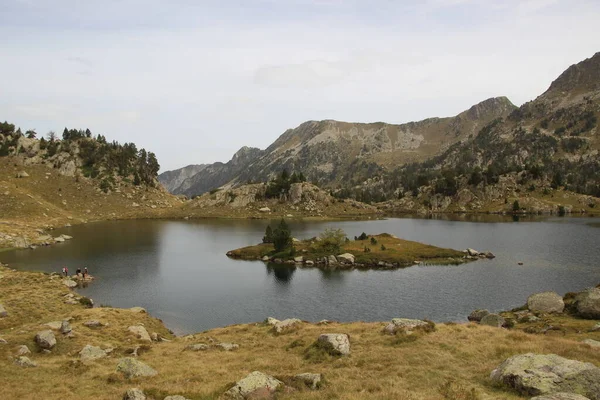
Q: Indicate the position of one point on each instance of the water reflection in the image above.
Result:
(283, 273)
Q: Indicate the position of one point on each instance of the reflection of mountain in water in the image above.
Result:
(282, 273)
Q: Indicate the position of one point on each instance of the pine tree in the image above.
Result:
(282, 237)
(268, 238)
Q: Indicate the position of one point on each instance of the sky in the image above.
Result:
(195, 80)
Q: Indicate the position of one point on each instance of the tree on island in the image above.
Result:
(516, 206)
(332, 240)
(282, 237)
(268, 238)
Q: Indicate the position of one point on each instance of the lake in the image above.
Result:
(178, 270)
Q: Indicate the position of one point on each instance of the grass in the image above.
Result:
(452, 362)
(387, 248)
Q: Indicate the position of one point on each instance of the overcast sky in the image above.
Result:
(195, 80)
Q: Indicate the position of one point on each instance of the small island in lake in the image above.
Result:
(333, 249)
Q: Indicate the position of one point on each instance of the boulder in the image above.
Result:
(132, 368)
(138, 310)
(140, 332)
(298, 259)
(403, 324)
(25, 362)
(493, 320)
(346, 258)
(176, 397)
(90, 353)
(331, 260)
(70, 283)
(286, 324)
(538, 374)
(22, 350)
(312, 381)
(65, 327)
(560, 396)
(546, 302)
(253, 382)
(55, 325)
(197, 347)
(472, 252)
(310, 262)
(228, 346)
(592, 343)
(3, 341)
(134, 394)
(588, 303)
(335, 343)
(3, 312)
(22, 174)
(595, 328)
(45, 339)
(93, 324)
(271, 321)
(477, 315)
(264, 209)
(265, 258)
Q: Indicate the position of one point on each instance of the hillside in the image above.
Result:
(333, 152)
(172, 180)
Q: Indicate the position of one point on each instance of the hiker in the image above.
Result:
(66, 271)
(78, 272)
(85, 272)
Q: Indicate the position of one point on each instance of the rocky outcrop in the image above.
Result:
(172, 180)
(257, 383)
(45, 339)
(336, 344)
(285, 325)
(494, 320)
(477, 315)
(537, 374)
(588, 303)
(403, 324)
(132, 368)
(140, 332)
(560, 396)
(546, 302)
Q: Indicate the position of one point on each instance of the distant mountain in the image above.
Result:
(172, 180)
(341, 153)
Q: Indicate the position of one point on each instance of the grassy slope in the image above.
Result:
(404, 252)
(380, 366)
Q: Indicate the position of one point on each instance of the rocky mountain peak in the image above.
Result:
(492, 106)
(245, 154)
(584, 75)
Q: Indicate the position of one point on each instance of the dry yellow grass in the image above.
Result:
(448, 363)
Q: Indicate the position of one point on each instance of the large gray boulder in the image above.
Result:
(346, 258)
(253, 383)
(546, 302)
(3, 312)
(286, 325)
(403, 324)
(494, 320)
(134, 394)
(45, 339)
(588, 303)
(91, 353)
(337, 344)
(140, 332)
(132, 368)
(560, 396)
(477, 315)
(537, 374)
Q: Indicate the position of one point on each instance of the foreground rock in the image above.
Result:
(176, 397)
(560, 396)
(23, 350)
(93, 324)
(312, 381)
(546, 302)
(494, 320)
(25, 362)
(257, 383)
(588, 303)
(3, 312)
(477, 315)
(286, 325)
(132, 368)
(346, 258)
(134, 394)
(404, 325)
(90, 353)
(197, 347)
(70, 283)
(45, 339)
(537, 374)
(336, 344)
(592, 343)
(228, 346)
(140, 332)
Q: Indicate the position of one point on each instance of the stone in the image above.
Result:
(3, 341)
(22, 350)
(546, 302)
(197, 347)
(560, 396)
(3, 312)
(251, 383)
(134, 394)
(90, 353)
(473, 252)
(539, 374)
(25, 362)
(596, 328)
(403, 324)
(335, 343)
(264, 209)
(55, 325)
(93, 324)
(310, 262)
(132, 368)
(272, 321)
(138, 310)
(45, 339)
(331, 260)
(140, 332)
(228, 346)
(176, 397)
(265, 258)
(489, 255)
(65, 327)
(286, 324)
(22, 174)
(298, 259)
(346, 258)
(312, 381)
(493, 320)
(592, 343)
(477, 315)
(70, 283)
(588, 303)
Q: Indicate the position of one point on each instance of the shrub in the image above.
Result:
(516, 206)
(363, 236)
(332, 240)
(373, 241)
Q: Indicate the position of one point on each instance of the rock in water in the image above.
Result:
(335, 343)
(548, 373)
(588, 303)
(3, 312)
(90, 353)
(134, 394)
(140, 332)
(132, 368)
(255, 381)
(45, 339)
(493, 320)
(546, 302)
(25, 362)
(477, 315)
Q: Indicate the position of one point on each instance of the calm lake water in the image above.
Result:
(178, 270)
